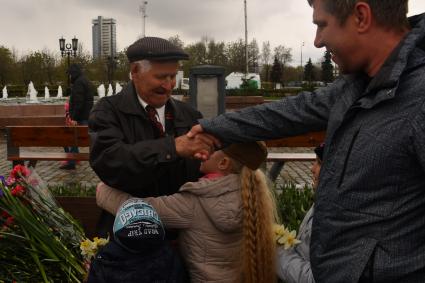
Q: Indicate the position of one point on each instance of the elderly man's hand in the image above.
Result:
(199, 146)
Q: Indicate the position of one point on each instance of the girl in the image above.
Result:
(225, 219)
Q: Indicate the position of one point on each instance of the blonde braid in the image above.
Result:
(249, 228)
(259, 211)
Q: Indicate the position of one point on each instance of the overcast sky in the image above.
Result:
(29, 25)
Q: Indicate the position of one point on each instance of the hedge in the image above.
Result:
(293, 203)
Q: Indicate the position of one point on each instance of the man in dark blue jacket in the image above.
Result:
(369, 223)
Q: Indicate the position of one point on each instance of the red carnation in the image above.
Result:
(19, 170)
(18, 191)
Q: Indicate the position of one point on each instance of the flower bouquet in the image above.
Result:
(39, 241)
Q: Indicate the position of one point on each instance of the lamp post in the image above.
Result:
(68, 49)
(246, 40)
(302, 67)
(142, 10)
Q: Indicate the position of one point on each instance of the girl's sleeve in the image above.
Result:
(175, 211)
(110, 199)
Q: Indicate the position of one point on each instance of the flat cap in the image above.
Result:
(249, 154)
(156, 49)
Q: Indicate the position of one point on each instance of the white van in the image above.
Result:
(184, 83)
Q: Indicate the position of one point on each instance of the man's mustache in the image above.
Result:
(160, 90)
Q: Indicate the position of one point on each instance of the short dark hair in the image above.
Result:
(388, 13)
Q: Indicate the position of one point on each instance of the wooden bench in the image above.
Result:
(32, 115)
(309, 140)
(45, 136)
(61, 136)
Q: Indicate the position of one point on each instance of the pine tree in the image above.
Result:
(309, 71)
(276, 73)
(327, 68)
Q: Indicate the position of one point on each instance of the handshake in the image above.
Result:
(196, 144)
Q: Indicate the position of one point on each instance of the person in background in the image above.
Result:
(225, 220)
(68, 122)
(138, 135)
(80, 105)
(293, 265)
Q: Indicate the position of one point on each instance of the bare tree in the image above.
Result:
(235, 52)
(253, 56)
(265, 59)
(283, 55)
(48, 65)
(216, 53)
(176, 41)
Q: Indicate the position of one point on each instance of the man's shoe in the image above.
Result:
(67, 167)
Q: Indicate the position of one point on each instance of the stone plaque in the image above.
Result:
(207, 96)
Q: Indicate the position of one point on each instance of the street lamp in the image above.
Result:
(142, 10)
(68, 49)
(302, 67)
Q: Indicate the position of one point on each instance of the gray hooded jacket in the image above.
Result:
(293, 264)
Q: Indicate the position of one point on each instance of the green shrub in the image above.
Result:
(73, 190)
(293, 203)
(266, 93)
(267, 85)
(244, 92)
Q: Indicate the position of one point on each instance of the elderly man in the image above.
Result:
(138, 135)
(369, 223)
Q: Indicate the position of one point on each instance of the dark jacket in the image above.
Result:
(114, 264)
(125, 154)
(370, 204)
(81, 99)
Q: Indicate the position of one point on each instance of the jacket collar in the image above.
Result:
(129, 104)
(384, 85)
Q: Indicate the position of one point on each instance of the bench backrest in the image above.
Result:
(50, 136)
(311, 139)
(47, 136)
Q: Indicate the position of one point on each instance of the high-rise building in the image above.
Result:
(104, 37)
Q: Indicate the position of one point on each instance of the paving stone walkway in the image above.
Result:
(294, 172)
